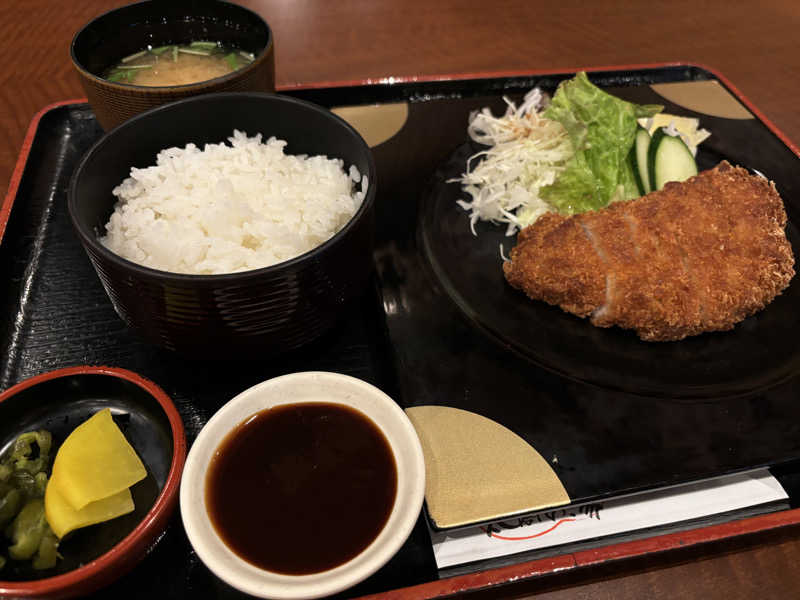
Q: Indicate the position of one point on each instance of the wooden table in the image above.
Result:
(352, 40)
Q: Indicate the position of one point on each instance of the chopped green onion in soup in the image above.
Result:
(178, 64)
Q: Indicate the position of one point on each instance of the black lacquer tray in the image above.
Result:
(621, 415)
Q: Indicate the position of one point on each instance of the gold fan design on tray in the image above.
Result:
(376, 123)
(478, 470)
(706, 97)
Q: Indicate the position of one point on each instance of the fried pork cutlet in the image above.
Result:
(696, 256)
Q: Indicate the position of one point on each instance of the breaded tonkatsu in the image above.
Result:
(696, 256)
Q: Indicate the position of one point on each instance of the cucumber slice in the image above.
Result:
(641, 144)
(669, 159)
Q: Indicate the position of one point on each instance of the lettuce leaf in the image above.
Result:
(601, 129)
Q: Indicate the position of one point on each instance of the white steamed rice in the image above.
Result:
(230, 208)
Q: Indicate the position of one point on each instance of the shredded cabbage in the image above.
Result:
(526, 153)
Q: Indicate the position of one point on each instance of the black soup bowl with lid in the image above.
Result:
(255, 313)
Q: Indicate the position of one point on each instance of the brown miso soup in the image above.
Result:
(178, 64)
(301, 488)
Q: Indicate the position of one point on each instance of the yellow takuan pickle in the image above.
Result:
(95, 461)
(63, 518)
(92, 473)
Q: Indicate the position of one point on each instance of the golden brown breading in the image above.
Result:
(696, 256)
(573, 279)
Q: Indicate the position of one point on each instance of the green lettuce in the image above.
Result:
(601, 129)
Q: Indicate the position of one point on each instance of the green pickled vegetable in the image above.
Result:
(47, 554)
(27, 530)
(10, 504)
(25, 483)
(24, 451)
(40, 484)
(23, 480)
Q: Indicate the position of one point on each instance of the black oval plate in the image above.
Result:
(759, 352)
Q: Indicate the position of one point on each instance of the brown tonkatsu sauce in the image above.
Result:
(301, 488)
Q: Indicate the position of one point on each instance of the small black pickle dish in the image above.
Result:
(260, 312)
(124, 31)
(58, 401)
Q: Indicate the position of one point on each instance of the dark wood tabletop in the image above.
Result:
(754, 45)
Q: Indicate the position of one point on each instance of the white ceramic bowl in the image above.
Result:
(290, 389)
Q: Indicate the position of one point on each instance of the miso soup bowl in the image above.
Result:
(255, 313)
(121, 32)
(291, 389)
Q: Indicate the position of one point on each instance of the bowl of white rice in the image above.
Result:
(235, 224)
